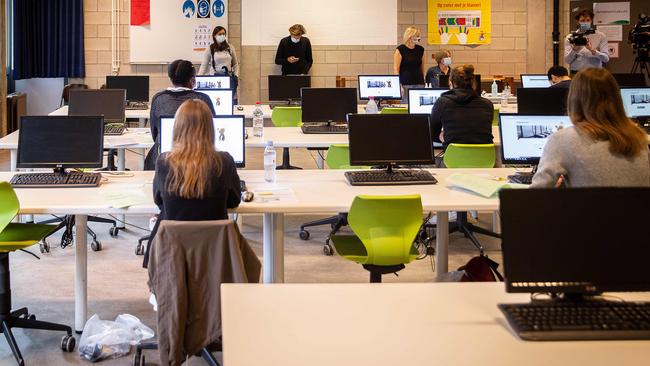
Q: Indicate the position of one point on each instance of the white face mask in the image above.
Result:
(295, 40)
(220, 38)
(446, 61)
(417, 40)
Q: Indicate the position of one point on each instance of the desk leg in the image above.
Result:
(13, 159)
(142, 122)
(81, 273)
(121, 166)
(143, 153)
(442, 242)
(320, 160)
(496, 222)
(273, 248)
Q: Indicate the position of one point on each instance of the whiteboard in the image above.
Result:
(177, 30)
(332, 22)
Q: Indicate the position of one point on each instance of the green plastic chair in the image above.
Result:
(286, 117)
(338, 157)
(394, 110)
(385, 228)
(14, 236)
(495, 117)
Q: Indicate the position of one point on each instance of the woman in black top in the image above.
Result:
(294, 52)
(460, 115)
(409, 62)
(194, 182)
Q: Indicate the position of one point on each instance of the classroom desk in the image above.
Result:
(413, 324)
(314, 191)
(143, 114)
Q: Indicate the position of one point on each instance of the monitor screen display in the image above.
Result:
(109, 103)
(421, 101)
(535, 81)
(61, 141)
(547, 101)
(221, 100)
(229, 136)
(328, 104)
(382, 139)
(212, 82)
(523, 136)
(287, 87)
(636, 102)
(379, 87)
(137, 87)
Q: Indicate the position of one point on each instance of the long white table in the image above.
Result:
(143, 114)
(413, 324)
(314, 191)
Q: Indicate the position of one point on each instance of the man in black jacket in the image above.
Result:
(294, 52)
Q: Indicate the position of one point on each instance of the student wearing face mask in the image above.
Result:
(443, 63)
(409, 62)
(221, 59)
(294, 52)
(594, 54)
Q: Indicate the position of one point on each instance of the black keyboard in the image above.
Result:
(396, 177)
(585, 320)
(322, 129)
(137, 106)
(521, 178)
(53, 180)
(114, 129)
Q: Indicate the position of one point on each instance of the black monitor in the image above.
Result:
(630, 80)
(636, 102)
(545, 101)
(229, 136)
(212, 82)
(328, 104)
(109, 103)
(60, 142)
(559, 240)
(287, 87)
(535, 81)
(444, 82)
(137, 87)
(523, 137)
(379, 87)
(390, 139)
(222, 100)
(421, 100)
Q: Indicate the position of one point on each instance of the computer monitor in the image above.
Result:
(559, 241)
(421, 101)
(137, 87)
(328, 104)
(222, 100)
(630, 80)
(287, 87)
(212, 82)
(444, 82)
(60, 142)
(228, 136)
(390, 139)
(379, 87)
(535, 81)
(523, 137)
(546, 101)
(109, 103)
(636, 102)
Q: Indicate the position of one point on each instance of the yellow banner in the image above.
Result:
(460, 21)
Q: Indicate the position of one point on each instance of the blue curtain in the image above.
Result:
(48, 39)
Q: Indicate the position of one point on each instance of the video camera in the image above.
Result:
(579, 38)
(639, 37)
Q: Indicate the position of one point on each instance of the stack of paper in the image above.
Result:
(484, 186)
(125, 198)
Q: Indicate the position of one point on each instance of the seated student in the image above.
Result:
(443, 67)
(193, 181)
(464, 116)
(165, 103)
(559, 77)
(603, 148)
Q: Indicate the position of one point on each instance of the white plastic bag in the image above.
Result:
(103, 339)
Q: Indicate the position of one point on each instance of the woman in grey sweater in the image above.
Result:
(603, 148)
(220, 58)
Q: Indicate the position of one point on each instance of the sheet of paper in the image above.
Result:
(125, 198)
(482, 185)
(273, 193)
(614, 33)
(121, 141)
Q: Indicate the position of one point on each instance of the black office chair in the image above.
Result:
(67, 222)
(65, 95)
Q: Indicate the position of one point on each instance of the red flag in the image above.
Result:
(140, 14)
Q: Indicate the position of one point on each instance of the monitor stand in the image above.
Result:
(531, 173)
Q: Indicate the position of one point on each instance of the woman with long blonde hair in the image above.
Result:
(603, 148)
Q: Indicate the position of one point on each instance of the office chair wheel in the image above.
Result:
(114, 231)
(139, 249)
(44, 246)
(67, 343)
(30, 316)
(304, 234)
(328, 250)
(96, 246)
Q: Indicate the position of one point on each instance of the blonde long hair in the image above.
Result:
(408, 33)
(596, 108)
(193, 158)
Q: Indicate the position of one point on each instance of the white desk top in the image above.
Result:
(394, 324)
(144, 113)
(315, 191)
(136, 138)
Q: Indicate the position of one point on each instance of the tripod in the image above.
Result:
(641, 63)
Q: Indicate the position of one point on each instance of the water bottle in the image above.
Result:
(269, 162)
(258, 122)
(504, 100)
(495, 89)
(371, 107)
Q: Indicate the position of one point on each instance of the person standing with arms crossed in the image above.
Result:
(294, 52)
(409, 62)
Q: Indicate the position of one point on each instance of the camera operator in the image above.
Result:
(580, 55)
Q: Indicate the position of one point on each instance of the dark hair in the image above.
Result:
(585, 13)
(559, 71)
(214, 47)
(181, 72)
(462, 77)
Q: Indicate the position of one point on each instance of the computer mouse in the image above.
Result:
(247, 196)
(240, 107)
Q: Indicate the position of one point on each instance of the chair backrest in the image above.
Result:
(470, 156)
(9, 204)
(286, 116)
(338, 156)
(387, 226)
(394, 110)
(495, 117)
(65, 96)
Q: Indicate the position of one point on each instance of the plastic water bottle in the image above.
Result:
(371, 107)
(269, 162)
(504, 100)
(258, 121)
(495, 89)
